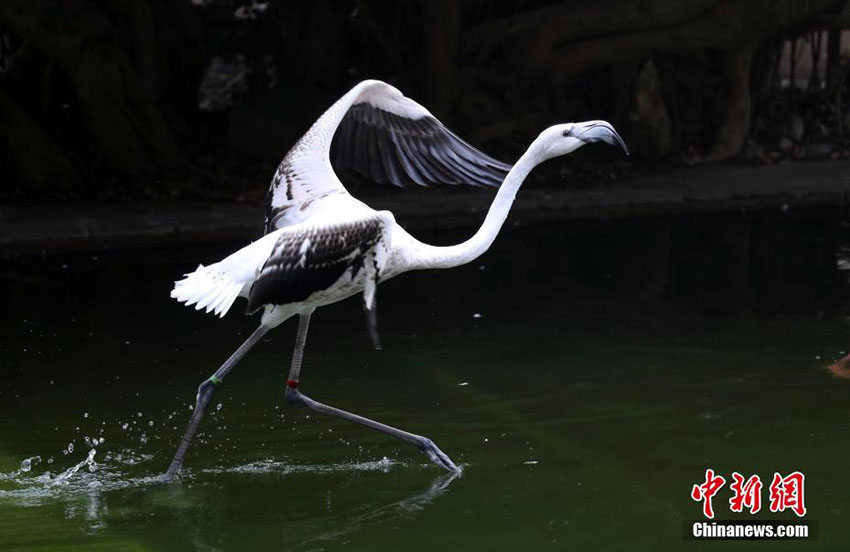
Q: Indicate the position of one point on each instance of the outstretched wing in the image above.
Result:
(378, 132)
(399, 142)
(312, 259)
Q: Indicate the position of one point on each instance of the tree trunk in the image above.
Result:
(118, 106)
(735, 124)
(833, 62)
(442, 22)
(39, 162)
(649, 120)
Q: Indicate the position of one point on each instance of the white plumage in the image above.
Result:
(322, 245)
(215, 287)
(306, 198)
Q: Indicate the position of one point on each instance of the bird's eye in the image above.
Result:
(566, 133)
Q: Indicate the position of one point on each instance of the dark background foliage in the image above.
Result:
(106, 99)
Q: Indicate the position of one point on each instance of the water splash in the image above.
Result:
(27, 463)
(79, 488)
(25, 487)
(69, 473)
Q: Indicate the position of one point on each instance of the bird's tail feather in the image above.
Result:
(208, 287)
(216, 287)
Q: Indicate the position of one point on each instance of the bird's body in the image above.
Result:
(295, 269)
(322, 245)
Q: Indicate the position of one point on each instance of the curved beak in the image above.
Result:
(598, 131)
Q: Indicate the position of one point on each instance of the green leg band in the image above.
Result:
(215, 380)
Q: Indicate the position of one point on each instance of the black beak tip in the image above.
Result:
(618, 140)
(602, 132)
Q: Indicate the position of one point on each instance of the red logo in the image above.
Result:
(747, 494)
(707, 490)
(786, 493)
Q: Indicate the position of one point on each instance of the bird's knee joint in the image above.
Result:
(206, 389)
(294, 397)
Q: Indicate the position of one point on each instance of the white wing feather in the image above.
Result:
(216, 287)
(384, 136)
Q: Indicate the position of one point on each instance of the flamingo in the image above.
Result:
(321, 245)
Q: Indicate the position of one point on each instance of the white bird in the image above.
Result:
(322, 245)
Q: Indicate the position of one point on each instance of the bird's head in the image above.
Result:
(565, 138)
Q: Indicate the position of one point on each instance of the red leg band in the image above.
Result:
(292, 384)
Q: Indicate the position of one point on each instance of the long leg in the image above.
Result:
(296, 398)
(205, 393)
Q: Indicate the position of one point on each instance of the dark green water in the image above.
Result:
(609, 367)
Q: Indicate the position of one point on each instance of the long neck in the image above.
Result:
(424, 256)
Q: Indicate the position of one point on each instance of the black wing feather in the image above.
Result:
(406, 163)
(396, 150)
(408, 143)
(297, 268)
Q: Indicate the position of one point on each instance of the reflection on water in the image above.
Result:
(585, 376)
(84, 490)
(374, 515)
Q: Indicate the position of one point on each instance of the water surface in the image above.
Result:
(584, 377)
